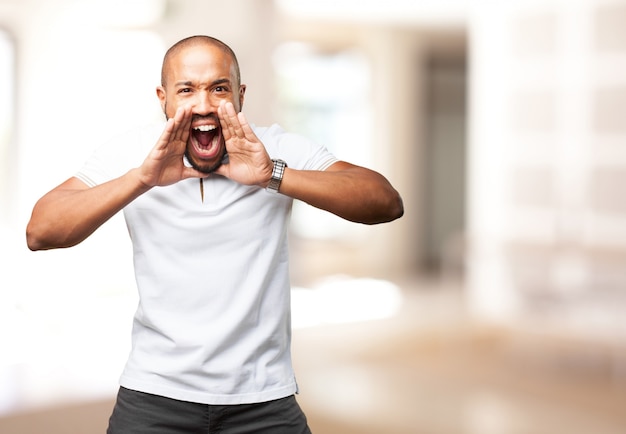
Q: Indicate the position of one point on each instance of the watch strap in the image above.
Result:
(277, 175)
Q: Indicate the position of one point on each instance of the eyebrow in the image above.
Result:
(213, 83)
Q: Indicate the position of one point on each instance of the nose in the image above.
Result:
(205, 104)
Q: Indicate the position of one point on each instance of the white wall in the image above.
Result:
(87, 70)
(546, 216)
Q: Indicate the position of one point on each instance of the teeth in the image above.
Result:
(205, 128)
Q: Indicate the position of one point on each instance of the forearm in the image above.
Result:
(351, 192)
(71, 212)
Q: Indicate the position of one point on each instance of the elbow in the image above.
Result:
(390, 205)
(394, 208)
(40, 236)
(32, 244)
(34, 240)
(44, 236)
(37, 231)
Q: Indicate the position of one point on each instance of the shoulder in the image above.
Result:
(279, 141)
(272, 132)
(299, 151)
(118, 153)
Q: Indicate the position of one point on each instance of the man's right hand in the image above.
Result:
(164, 165)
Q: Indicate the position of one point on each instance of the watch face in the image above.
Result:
(277, 175)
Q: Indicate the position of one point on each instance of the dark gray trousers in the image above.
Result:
(143, 413)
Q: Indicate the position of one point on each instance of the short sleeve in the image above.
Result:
(118, 155)
(299, 152)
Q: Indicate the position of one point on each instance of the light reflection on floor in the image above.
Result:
(342, 299)
(430, 369)
(53, 350)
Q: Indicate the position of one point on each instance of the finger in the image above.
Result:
(233, 120)
(223, 170)
(166, 135)
(246, 128)
(182, 124)
(189, 172)
(221, 114)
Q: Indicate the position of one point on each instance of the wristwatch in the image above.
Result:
(277, 175)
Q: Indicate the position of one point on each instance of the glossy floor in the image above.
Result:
(427, 369)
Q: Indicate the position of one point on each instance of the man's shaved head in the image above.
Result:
(201, 73)
(194, 41)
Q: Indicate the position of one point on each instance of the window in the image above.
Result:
(7, 108)
(325, 96)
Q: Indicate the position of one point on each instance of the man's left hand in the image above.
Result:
(248, 161)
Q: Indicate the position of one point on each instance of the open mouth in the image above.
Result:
(206, 140)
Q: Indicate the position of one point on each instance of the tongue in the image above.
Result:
(204, 138)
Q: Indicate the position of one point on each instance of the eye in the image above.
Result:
(184, 90)
(221, 89)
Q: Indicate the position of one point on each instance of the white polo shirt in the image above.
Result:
(213, 323)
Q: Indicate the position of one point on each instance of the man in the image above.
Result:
(207, 210)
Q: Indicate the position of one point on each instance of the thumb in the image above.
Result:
(190, 172)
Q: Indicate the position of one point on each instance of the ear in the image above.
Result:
(160, 91)
(242, 92)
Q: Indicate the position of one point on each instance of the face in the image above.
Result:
(201, 76)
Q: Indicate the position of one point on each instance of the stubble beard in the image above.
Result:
(204, 168)
(208, 169)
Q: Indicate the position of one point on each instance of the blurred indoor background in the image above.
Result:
(496, 305)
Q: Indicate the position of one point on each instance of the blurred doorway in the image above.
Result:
(445, 155)
(7, 109)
